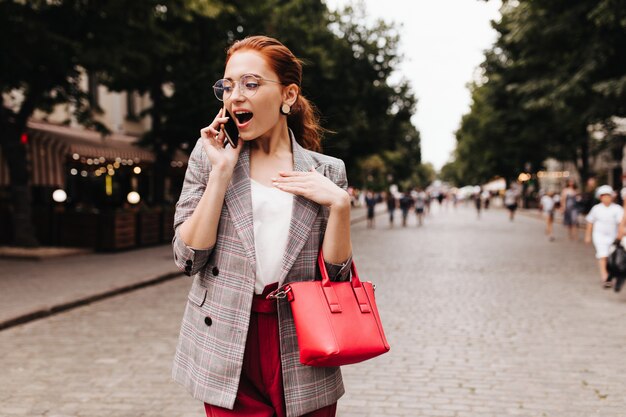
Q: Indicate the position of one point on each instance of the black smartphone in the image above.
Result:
(230, 130)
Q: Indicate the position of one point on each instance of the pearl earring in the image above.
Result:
(285, 109)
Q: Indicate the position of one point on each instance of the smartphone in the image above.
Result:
(230, 130)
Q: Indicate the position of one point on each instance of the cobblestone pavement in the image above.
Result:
(486, 318)
(35, 287)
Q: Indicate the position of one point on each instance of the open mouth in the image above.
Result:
(243, 117)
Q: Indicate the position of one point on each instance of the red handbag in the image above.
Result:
(337, 323)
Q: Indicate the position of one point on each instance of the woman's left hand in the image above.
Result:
(313, 186)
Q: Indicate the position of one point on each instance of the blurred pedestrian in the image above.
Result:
(391, 206)
(478, 202)
(248, 218)
(557, 202)
(622, 227)
(510, 201)
(548, 207)
(588, 197)
(352, 192)
(420, 204)
(602, 227)
(370, 203)
(570, 201)
(486, 196)
(405, 205)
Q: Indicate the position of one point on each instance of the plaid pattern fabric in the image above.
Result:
(211, 344)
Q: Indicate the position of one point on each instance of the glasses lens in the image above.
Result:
(249, 84)
(222, 89)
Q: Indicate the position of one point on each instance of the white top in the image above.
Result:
(420, 200)
(547, 203)
(510, 197)
(271, 215)
(605, 220)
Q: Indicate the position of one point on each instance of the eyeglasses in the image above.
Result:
(248, 86)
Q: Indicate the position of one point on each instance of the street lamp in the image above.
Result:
(133, 197)
(59, 196)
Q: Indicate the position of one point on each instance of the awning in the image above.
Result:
(50, 146)
(91, 144)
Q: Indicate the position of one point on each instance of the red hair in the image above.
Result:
(304, 117)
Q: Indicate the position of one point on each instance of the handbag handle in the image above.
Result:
(356, 282)
(331, 297)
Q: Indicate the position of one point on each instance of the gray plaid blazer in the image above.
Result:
(212, 339)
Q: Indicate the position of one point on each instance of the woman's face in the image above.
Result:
(258, 114)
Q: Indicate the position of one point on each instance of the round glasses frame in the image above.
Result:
(248, 86)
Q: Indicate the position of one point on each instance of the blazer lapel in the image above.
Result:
(304, 211)
(238, 200)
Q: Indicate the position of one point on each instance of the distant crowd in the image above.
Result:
(416, 200)
(599, 210)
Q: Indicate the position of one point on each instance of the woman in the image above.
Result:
(249, 219)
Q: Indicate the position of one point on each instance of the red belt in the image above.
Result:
(262, 305)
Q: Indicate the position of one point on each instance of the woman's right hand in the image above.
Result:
(221, 157)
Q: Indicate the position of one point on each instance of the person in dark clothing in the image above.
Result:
(391, 207)
(477, 203)
(405, 205)
(588, 197)
(370, 201)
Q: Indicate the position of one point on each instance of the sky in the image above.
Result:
(442, 42)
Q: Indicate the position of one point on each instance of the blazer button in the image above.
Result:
(208, 321)
(189, 262)
(215, 271)
(188, 268)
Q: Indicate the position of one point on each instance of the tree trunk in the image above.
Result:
(15, 154)
(584, 161)
(161, 165)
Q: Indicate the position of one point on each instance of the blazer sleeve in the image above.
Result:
(188, 259)
(339, 272)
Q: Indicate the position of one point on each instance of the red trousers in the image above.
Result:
(260, 391)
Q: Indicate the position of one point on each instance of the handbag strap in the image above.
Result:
(356, 282)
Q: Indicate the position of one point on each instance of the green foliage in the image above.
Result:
(557, 68)
(451, 173)
(145, 44)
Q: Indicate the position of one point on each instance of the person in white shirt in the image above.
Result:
(510, 202)
(602, 227)
(420, 204)
(547, 206)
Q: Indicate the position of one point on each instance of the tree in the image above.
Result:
(345, 75)
(554, 71)
(161, 48)
(347, 66)
(148, 45)
(43, 77)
